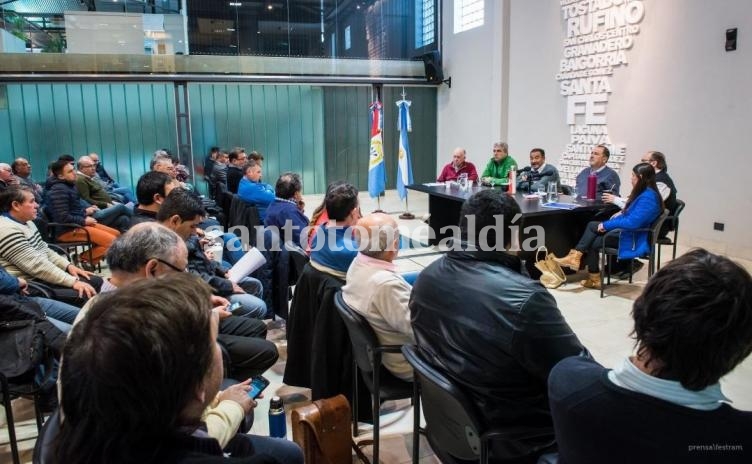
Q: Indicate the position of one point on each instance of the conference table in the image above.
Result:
(563, 226)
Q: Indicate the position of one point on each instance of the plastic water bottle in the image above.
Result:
(592, 186)
(277, 420)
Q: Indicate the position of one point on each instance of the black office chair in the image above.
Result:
(453, 426)
(73, 250)
(607, 252)
(367, 359)
(673, 223)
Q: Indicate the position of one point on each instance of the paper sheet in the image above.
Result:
(250, 261)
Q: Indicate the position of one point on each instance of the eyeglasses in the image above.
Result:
(646, 160)
(86, 165)
(170, 265)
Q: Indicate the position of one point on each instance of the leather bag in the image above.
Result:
(552, 276)
(322, 429)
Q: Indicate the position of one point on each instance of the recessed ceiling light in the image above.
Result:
(269, 7)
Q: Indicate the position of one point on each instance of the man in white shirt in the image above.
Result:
(375, 290)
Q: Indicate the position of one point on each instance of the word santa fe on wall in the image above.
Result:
(599, 33)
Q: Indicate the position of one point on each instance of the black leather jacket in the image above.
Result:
(497, 334)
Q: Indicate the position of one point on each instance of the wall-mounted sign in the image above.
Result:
(599, 36)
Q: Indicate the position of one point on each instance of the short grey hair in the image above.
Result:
(160, 156)
(132, 250)
(381, 239)
(503, 146)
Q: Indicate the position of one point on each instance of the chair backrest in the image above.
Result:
(362, 336)
(673, 219)
(298, 260)
(43, 448)
(655, 229)
(451, 419)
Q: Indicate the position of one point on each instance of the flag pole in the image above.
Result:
(407, 214)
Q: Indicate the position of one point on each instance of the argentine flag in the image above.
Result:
(404, 162)
(376, 169)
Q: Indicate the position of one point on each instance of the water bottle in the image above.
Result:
(277, 420)
(592, 186)
(512, 180)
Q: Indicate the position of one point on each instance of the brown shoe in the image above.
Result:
(593, 281)
(572, 260)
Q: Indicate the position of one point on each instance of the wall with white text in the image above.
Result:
(678, 92)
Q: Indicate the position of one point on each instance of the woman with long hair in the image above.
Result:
(643, 207)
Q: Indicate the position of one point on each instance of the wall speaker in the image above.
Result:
(432, 64)
(730, 39)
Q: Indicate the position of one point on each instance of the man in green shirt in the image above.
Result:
(497, 169)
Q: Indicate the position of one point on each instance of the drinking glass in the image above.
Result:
(553, 194)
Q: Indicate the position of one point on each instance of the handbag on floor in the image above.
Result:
(322, 429)
(552, 276)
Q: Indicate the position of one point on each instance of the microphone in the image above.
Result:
(525, 169)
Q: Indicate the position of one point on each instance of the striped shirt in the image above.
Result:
(23, 253)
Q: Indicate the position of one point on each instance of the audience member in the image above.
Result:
(65, 207)
(692, 325)
(497, 169)
(218, 178)
(161, 391)
(209, 161)
(151, 191)
(643, 207)
(375, 290)
(182, 212)
(6, 176)
(124, 194)
(458, 166)
(253, 191)
(89, 189)
(24, 254)
(22, 171)
(288, 206)
(496, 333)
(103, 209)
(319, 215)
(608, 179)
(235, 170)
(333, 247)
(538, 174)
(256, 157)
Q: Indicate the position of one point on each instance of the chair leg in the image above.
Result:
(355, 400)
(376, 404)
(631, 269)
(676, 239)
(416, 420)
(603, 269)
(38, 412)
(484, 452)
(11, 424)
(658, 245)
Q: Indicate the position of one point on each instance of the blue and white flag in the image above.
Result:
(404, 161)
(376, 169)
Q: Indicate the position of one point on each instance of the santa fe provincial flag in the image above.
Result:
(376, 169)
(404, 162)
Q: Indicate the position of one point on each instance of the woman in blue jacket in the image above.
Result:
(643, 207)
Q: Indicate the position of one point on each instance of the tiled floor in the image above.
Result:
(603, 325)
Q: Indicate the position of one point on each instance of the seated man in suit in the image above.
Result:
(495, 332)
(457, 167)
(172, 388)
(692, 326)
(235, 171)
(288, 207)
(376, 291)
(24, 254)
(608, 179)
(252, 190)
(333, 247)
(538, 174)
